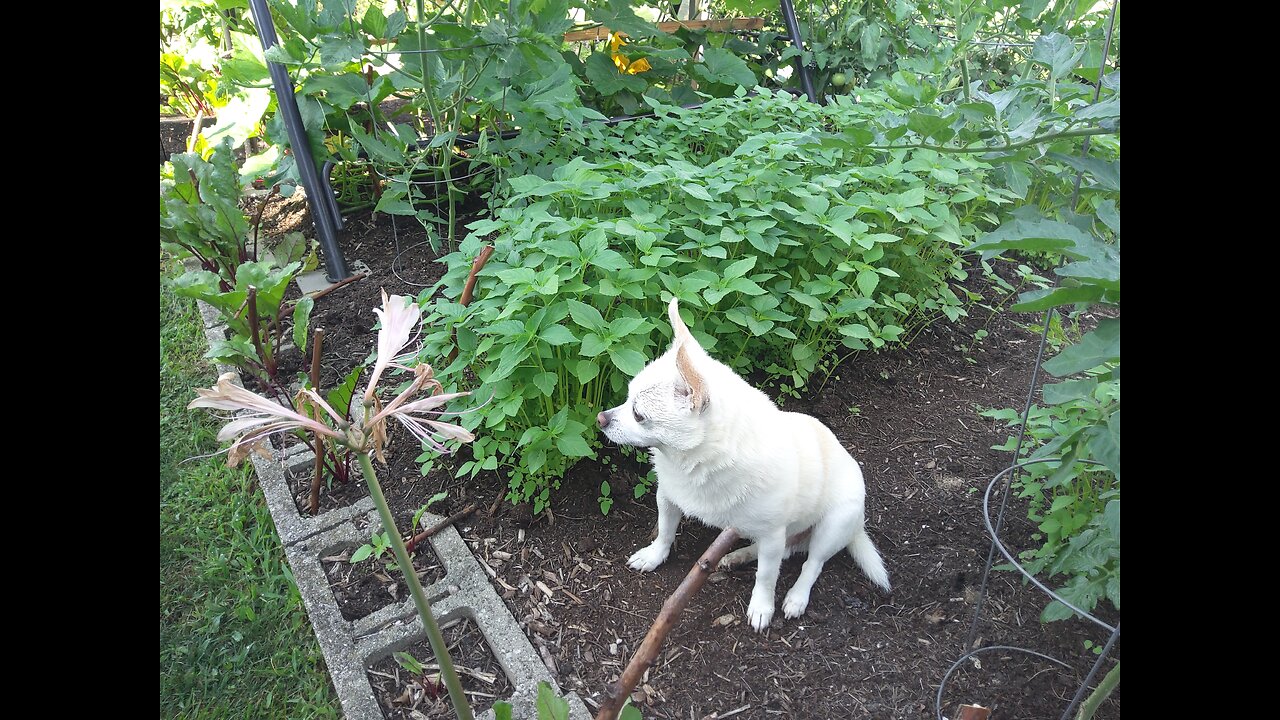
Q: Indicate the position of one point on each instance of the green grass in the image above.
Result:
(234, 637)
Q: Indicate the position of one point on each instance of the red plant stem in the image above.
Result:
(413, 542)
(467, 291)
(616, 693)
(251, 307)
(313, 503)
(257, 220)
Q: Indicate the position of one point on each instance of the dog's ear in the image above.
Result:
(682, 334)
(689, 383)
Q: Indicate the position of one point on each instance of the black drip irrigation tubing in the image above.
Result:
(993, 531)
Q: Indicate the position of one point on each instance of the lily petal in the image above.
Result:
(399, 317)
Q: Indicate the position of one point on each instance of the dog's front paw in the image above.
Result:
(650, 557)
(759, 612)
(794, 605)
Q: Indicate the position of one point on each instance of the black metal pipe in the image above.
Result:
(326, 181)
(793, 29)
(322, 212)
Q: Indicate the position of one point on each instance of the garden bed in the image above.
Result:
(909, 415)
(403, 695)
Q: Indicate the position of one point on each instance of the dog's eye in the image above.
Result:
(636, 413)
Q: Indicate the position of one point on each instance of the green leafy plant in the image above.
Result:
(411, 665)
(211, 64)
(378, 544)
(417, 516)
(200, 218)
(1075, 500)
(783, 244)
(553, 707)
(605, 499)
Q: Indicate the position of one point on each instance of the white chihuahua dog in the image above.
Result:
(725, 454)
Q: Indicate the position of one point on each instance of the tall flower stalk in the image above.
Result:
(261, 418)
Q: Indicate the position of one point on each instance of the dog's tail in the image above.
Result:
(868, 558)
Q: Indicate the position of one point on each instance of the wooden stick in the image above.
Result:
(468, 291)
(313, 503)
(476, 266)
(321, 293)
(972, 712)
(413, 542)
(717, 25)
(616, 694)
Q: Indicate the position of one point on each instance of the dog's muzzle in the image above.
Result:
(603, 419)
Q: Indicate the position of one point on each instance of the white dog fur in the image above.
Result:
(725, 454)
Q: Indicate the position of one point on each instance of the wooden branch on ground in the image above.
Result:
(413, 542)
(616, 694)
(325, 291)
(972, 712)
(717, 25)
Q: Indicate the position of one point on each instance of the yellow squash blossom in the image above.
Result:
(622, 62)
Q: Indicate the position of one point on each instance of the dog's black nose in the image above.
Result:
(602, 419)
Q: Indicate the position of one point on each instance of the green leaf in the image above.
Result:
(1039, 234)
(593, 345)
(1111, 518)
(573, 446)
(1056, 51)
(545, 381)
(927, 125)
(1099, 346)
(696, 191)
(606, 79)
(339, 398)
(340, 50)
(739, 268)
(1106, 173)
(721, 66)
(551, 706)
(1109, 215)
(557, 335)
(1104, 443)
(586, 371)
(586, 316)
(302, 316)
(362, 553)
(1053, 297)
(625, 326)
(1058, 393)
(867, 281)
(374, 22)
(855, 330)
(627, 360)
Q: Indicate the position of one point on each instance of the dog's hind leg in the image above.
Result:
(739, 556)
(829, 536)
(656, 553)
(748, 553)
